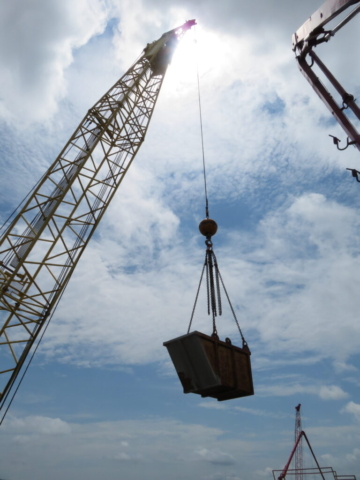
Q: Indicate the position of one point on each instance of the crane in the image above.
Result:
(42, 245)
(315, 32)
(299, 471)
(298, 452)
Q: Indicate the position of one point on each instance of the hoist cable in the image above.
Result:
(201, 130)
(213, 291)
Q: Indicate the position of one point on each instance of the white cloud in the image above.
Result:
(213, 405)
(353, 380)
(122, 456)
(264, 473)
(36, 50)
(353, 408)
(333, 436)
(37, 425)
(135, 29)
(354, 456)
(157, 446)
(222, 476)
(341, 367)
(328, 458)
(127, 457)
(307, 268)
(325, 392)
(216, 457)
(332, 392)
(260, 413)
(230, 407)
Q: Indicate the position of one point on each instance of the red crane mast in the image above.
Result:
(297, 453)
(298, 441)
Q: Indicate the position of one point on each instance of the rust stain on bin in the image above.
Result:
(210, 367)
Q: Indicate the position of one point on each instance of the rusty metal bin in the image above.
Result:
(210, 367)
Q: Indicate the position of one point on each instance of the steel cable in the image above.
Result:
(201, 130)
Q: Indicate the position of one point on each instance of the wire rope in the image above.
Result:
(201, 128)
(213, 276)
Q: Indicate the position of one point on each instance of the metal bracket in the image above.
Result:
(336, 142)
(354, 173)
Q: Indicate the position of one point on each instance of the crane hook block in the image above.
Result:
(208, 227)
(210, 367)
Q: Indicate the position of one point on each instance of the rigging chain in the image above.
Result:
(214, 291)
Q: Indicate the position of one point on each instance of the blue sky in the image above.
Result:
(101, 397)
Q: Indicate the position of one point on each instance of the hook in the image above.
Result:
(311, 64)
(337, 141)
(354, 173)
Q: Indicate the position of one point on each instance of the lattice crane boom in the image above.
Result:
(42, 246)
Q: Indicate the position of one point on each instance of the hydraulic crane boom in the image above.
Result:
(312, 33)
(42, 246)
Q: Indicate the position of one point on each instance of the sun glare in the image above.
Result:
(213, 55)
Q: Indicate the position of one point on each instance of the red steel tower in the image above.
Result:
(298, 452)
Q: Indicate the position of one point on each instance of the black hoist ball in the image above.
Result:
(208, 227)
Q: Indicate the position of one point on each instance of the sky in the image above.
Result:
(101, 398)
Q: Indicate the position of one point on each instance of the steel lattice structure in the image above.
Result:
(42, 246)
(299, 472)
(298, 452)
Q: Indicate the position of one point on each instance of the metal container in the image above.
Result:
(210, 367)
